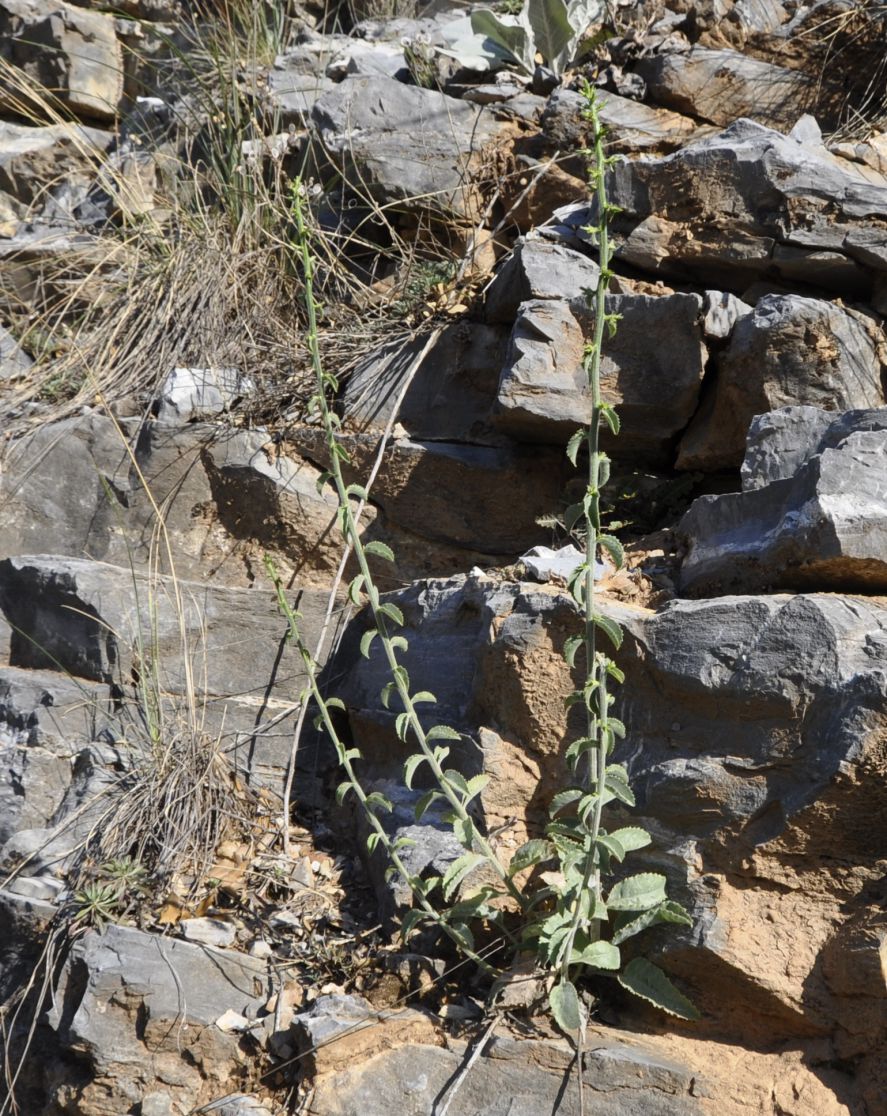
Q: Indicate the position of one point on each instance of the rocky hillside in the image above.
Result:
(189, 922)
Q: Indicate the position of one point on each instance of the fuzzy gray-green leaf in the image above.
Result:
(644, 979)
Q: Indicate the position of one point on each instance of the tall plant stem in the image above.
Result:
(336, 454)
(596, 703)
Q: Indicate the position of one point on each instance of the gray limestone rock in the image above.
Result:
(511, 1078)
(89, 618)
(717, 209)
(651, 370)
(780, 442)
(72, 52)
(537, 269)
(631, 125)
(295, 83)
(14, 361)
(822, 523)
(189, 394)
(130, 1003)
(422, 485)
(406, 145)
(45, 719)
(790, 350)
(721, 85)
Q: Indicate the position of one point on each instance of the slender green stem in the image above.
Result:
(335, 454)
(596, 703)
(344, 758)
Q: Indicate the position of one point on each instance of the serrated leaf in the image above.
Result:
(476, 784)
(571, 646)
(642, 978)
(610, 628)
(413, 763)
(574, 444)
(409, 923)
(423, 695)
(614, 548)
(456, 779)
(379, 549)
(402, 725)
(387, 690)
(600, 955)
(377, 801)
(564, 1003)
(354, 590)
(463, 828)
(632, 838)
(637, 893)
(611, 418)
(424, 802)
(365, 640)
(612, 845)
(530, 853)
(618, 788)
(563, 798)
(442, 732)
(393, 613)
(457, 872)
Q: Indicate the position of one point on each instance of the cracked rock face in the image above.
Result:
(814, 512)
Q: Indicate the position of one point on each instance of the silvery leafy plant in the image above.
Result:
(550, 29)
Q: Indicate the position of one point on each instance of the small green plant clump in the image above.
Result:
(577, 924)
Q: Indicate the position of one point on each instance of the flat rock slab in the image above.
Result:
(789, 350)
(403, 144)
(422, 488)
(651, 370)
(103, 623)
(721, 85)
(511, 1078)
(823, 527)
(631, 125)
(724, 208)
(45, 718)
(141, 1009)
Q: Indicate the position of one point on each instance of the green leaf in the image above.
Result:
(532, 852)
(476, 784)
(399, 643)
(410, 921)
(442, 732)
(552, 33)
(614, 548)
(387, 690)
(365, 640)
(380, 549)
(563, 798)
(402, 725)
(610, 628)
(600, 955)
(612, 845)
(564, 1003)
(423, 695)
(457, 780)
(574, 443)
(424, 802)
(637, 893)
(510, 37)
(354, 590)
(342, 792)
(392, 612)
(464, 831)
(377, 801)
(457, 872)
(632, 838)
(571, 646)
(642, 978)
(410, 767)
(356, 491)
(618, 788)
